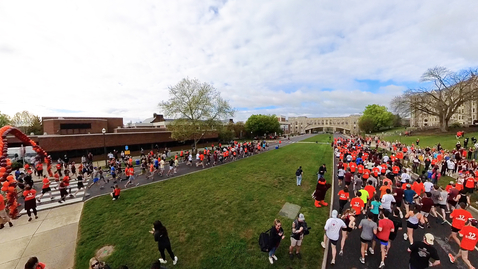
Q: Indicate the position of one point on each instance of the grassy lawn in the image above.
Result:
(447, 141)
(319, 138)
(214, 217)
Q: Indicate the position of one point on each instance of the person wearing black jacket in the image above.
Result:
(161, 236)
(276, 235)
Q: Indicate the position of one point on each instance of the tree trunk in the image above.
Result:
(444, 124)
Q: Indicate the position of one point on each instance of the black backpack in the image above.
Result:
(264, 240)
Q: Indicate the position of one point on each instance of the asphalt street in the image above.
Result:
(398, 256)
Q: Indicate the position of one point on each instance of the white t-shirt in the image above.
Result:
(387, 200)
(404, 177)
(428, 186)
(341, 172)
(333, 227)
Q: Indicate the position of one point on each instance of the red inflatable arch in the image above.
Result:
(5, 163)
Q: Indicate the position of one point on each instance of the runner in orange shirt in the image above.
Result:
(344, 197)
(459, 217)
(353, 167)
(468, 243)
(357, 203)
(45, 188)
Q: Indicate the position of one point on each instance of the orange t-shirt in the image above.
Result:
(29, 195)
(360, 169)
(459, 186)
(366, 174)
(470, 237)
(46, 183)
(370, 189)
(117, 191)
(384, 168)
(383, 190)
(470, 183)
(343, 195)
(389, 182)
(357, 204)
(151, 168)
(376, 170)
(353, 167)
(418, 188)
(460, 216)
(396, 169)
(66, 180)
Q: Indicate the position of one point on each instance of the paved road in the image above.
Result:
(398, 256)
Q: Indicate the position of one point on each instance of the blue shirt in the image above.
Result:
(375, 205)
(113, 170)
(408, 195)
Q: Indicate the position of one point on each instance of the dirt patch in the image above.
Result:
(103, 253)
(247, 234)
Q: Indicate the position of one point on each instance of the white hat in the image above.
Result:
(334, 213)
(429, 238)
(301, 217)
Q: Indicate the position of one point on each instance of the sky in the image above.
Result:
(291, 58)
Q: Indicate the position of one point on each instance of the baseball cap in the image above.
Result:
(334, 213)
(473, 221)
(451, 182)
(301, 217)
(429, 238)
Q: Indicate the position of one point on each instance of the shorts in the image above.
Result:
(348, 183)
(113, 175)
(440, 206)
(45, 190)
(412, 226)
(341, 178)
(80, 185)
(469, 190)
(115, 197)
(382, 242)
(131, 178)
(454, 230)
(333, 242)
(348, 229)
(295, 242)
(425, 214)
(398, 203)
(365, 241)
(451, 202)
(171, 167)
(95, 180)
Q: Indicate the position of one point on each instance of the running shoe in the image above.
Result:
(362, 260)
(452, 259)
(382, 265)
(271, 260)
(299, 256)
(274, 257)
(322, 244)
(341, 253)
(370, 249)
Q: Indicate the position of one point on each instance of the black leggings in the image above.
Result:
(342, 204)
(168, 248)
(31, 204)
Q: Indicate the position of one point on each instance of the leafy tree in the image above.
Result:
(380, 116)
(262, 124)
(366, 124)
(36, 126)
(239, 129)
(397, 121)
(4, 119)
(26, 121)
(443, 93)
(226, 133)
(198, 109)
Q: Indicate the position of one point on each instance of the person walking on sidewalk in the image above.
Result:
(276, 235)
(45, 188)
(332, 229)
(298, 229)
(468, 242)
(161, 236)
(4, 217)
(30, 202)
(298, 175)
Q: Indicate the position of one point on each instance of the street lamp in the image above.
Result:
(104, 146)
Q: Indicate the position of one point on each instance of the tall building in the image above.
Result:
(303, 124)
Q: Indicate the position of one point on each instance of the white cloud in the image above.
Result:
(117, 58)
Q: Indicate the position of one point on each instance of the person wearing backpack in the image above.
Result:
(276, 235)
(298, 175)
(298, 229)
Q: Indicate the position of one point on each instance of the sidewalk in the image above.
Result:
(51, 238)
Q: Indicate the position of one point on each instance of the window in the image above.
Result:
(64, 126)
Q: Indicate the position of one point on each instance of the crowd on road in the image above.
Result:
(377, 191)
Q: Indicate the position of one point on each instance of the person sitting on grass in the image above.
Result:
(116, 193)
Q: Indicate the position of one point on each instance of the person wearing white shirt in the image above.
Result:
(387, 200)
(385, 158)
(404, 177)
(332, 228)
(428, 186)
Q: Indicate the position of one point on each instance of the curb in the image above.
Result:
(326, 251)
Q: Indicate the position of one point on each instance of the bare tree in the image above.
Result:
(444, 93)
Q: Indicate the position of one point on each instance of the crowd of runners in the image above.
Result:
(378, 190)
